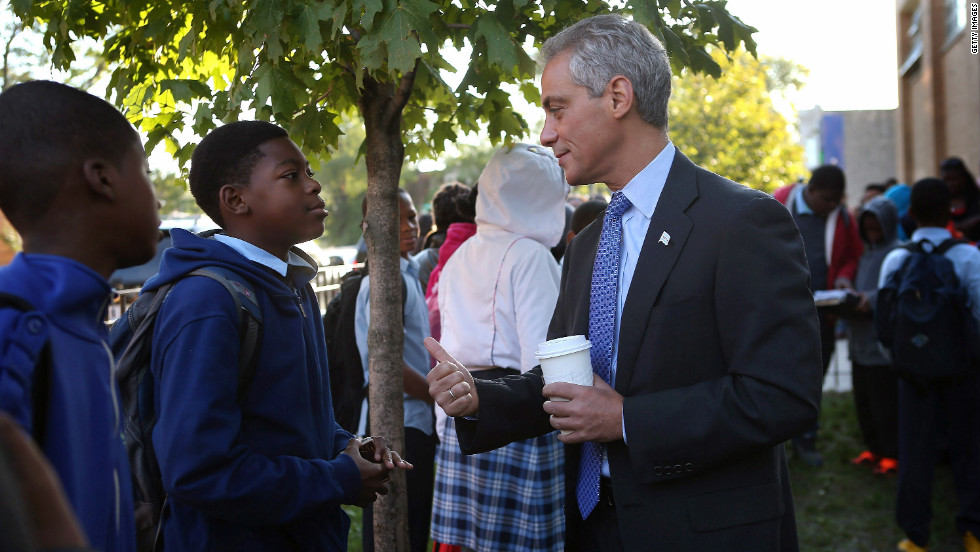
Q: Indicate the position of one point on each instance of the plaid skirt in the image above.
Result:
(509, 499)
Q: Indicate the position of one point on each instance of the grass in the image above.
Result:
(839, 507)
(846, 508)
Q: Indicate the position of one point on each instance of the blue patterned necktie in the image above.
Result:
(603, 301)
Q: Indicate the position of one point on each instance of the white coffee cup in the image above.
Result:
(566, 359)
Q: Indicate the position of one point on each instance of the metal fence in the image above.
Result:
(325, 285)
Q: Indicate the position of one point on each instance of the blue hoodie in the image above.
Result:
(266, 474)
(82, 438)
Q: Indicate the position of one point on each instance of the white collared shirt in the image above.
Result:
(643, 191)
(261, 256)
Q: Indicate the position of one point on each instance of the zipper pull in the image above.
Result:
(299, 303)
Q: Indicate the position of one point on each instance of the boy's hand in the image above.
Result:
(864, 305)
(375, 449)
(374, 476)
(450, 383)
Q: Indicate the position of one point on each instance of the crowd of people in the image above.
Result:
(696, 295)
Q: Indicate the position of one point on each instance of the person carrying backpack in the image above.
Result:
(73, 182)
(934, 283)
(264, 467)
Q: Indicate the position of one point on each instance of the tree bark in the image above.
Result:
(384, 158)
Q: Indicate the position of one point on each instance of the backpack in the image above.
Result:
(347, 390)
(131, 340)
(923, 316)
(43, 367)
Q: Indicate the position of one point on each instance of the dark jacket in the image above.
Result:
(82, 437)
(843, 245)
(263, 475)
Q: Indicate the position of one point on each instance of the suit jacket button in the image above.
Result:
(689, 467)
(668, 470)
(658, 471)
(678, 469)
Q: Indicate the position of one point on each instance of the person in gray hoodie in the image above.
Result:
(875, 385)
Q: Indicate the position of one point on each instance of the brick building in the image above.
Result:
(939, 86)
(861, 142)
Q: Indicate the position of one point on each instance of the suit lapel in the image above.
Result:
(656, 261)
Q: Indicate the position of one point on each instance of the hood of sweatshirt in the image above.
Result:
(523, 191)
(190, 252)
(874, 253)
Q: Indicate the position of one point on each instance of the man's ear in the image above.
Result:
(100, 177)
(621, 92)
(230, 198)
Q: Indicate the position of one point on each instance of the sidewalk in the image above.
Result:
(839, 372)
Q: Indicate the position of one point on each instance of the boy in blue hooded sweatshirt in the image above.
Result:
(271, 470)
(74, 183)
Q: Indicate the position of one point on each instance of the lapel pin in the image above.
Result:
(665, 238)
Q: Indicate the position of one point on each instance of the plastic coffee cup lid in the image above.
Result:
(562, 346)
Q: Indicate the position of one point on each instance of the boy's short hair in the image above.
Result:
(929, 202)
(450, 204)
(828, 177)
(48, 129)
(227, 155)
(880, 188)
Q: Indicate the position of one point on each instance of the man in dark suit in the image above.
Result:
(693, 292)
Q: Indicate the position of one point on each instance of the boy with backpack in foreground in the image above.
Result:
(928, 307)
(254, 463)
(74, 183)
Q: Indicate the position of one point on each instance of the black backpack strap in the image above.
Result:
(41, 386)
(948, 244)
(915, 247)
(249, 322)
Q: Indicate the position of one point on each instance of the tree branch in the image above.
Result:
(323, 96)
(403, 93)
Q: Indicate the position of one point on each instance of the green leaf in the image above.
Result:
(283, 101)
(265, 15)
(706, 19)
(153, 138)
(180, 90)
(442, 132)
(500, 46)
(333, 14)
(263, 84)
(370, 9)
(675, 47)
(372, 54)
(308, 21)
(701, 62)
(21, 6)
(673, 7)
(725, 31)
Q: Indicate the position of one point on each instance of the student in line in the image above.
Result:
(74, 183)
(269, 470)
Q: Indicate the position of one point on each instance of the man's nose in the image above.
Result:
(548, 135)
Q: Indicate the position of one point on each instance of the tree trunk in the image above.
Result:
(384, 157)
